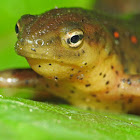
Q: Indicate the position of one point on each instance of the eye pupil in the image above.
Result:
(75, 39)
(16, 29)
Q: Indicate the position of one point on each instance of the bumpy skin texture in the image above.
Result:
(100, 73)
(119, 6)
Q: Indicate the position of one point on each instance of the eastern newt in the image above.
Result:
(86, 58)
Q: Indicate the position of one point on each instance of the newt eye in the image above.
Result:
(74, 38)
(17, 28)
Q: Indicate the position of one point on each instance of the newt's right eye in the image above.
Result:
(74, 38)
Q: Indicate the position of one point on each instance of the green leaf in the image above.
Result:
(25, 119)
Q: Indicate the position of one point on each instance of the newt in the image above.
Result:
(89, 59)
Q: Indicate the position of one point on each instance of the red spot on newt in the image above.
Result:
(134, 39)
(116, 34)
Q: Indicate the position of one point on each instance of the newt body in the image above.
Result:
(86, 58)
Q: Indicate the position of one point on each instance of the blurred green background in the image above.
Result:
(11, 11)
(24, 119)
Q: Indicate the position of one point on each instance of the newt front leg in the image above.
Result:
(20, 78)
(130, 84)
(127, 93)
(24, 78)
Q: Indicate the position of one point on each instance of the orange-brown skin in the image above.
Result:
(100, 73)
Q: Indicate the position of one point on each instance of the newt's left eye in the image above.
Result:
(17, 28)
(74, 38)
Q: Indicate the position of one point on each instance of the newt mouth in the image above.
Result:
(43, 58)
(32, 54)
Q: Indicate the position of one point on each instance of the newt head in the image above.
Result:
(60, 40)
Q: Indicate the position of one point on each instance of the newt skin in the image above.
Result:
(101, 72)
